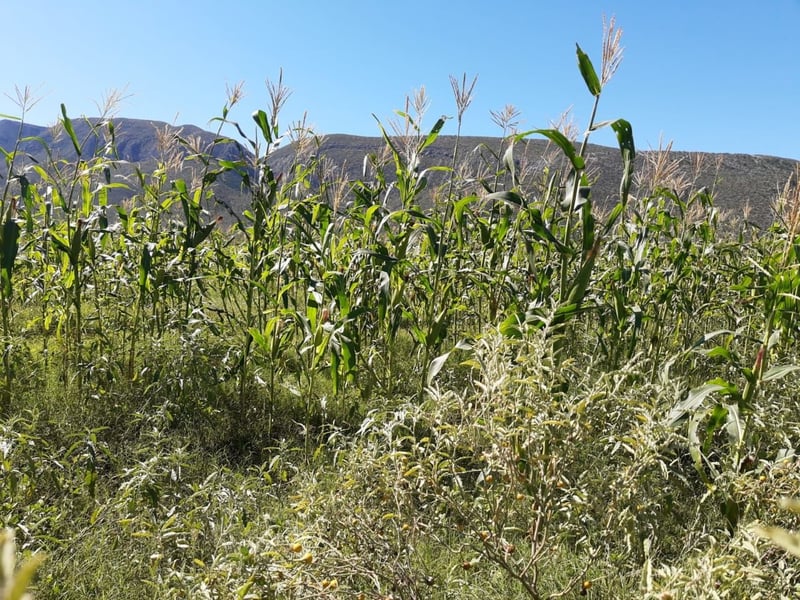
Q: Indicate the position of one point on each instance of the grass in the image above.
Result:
(510, 393)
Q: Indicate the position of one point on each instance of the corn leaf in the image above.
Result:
(69, 129)
(588, 72)
(778, 372)
(624, 132)
(560, 140)
(433, 134)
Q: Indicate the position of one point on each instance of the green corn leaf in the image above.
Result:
(587, 220)
(695, 452)
(349, 355)
(778, 372)
(538, 230)
(69, 129)
(262, 120)
(624, 133)
(242, 133)
(437, 330)
(588, 72)
(731, 510)
(436, 366)
(511, 327)
(460, 207)
(508, 161)
(438, 362)
(613, 216)
(396, 155)
(10, 248)
(334, 370)
(600, 125)
(717, 417)
(710, 336)
(581, 283)
(433, 134)
(86, 196)
(693, 401)
(719, 352)
(59, 242)
(560, 140)
(734, 425)
(76, 244)
(511, 198)
(144, 267)
(564, 313)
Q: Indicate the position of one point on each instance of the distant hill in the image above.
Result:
(737, 180)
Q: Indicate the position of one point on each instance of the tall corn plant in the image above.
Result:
(392, 217)
(145, 246)
(263, 269)
(721, 415)
(579, 238)
(445, 245)
(78, 192)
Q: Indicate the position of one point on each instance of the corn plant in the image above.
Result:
(734, 417)
(79, 191)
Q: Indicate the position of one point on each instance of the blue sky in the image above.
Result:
(708, 75)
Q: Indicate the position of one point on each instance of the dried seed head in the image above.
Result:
(278, 95)
(566, 125)
(507, 119)
(234, 93)
(462, 93)
(663, 170)
(788, 204)
(305, 142)
(23, 98)
(109, 105)
(421, 102)
(612, 50)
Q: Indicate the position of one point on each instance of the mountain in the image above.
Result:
(736, 180)
(137, 140)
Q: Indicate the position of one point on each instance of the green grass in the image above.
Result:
(520, 391)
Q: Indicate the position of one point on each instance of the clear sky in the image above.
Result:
(708, 75)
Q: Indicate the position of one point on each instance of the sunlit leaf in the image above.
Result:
(779, 372)
(434, 133)
(588, 72)
(262, 120)
(67, 122)
(693, 401)
(624, 133)
(560, 140)
(436, 366)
